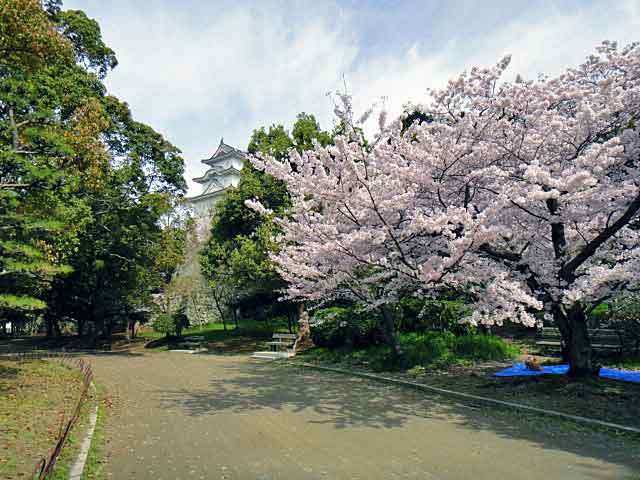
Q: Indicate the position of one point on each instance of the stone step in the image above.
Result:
(271, 355)
(189, 343)
(196, 350)
(264, 357)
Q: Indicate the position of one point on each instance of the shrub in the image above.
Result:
(344, 326)
(349, 325)
(423, 315)
(170, 324)
(599, 315)
(439, 350)
(483, 348)
(624, 317)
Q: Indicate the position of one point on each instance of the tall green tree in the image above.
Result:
(37, 174)
(236, 259)
(83, 186)
(274, 141)
(306, 130)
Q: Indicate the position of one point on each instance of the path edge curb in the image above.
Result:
(78, 466)
(469, 396)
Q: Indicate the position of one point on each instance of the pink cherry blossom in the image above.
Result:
(520, 193)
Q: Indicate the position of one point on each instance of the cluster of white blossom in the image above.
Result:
(521, 193)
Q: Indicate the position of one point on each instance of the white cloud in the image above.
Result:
(546, 41)
(196, 78)
(240, 69)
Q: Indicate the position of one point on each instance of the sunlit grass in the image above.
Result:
(36, 398)
(430, 350)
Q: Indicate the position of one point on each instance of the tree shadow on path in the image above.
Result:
(345, 402)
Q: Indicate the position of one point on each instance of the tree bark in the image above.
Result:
(108, 324)
(580, 352)
(390, 334)
(98, 323)
(235, 316)
(53, 329)
(289, 322)
(132, 328)
(14, 130)
(220, 310)
(577, 345)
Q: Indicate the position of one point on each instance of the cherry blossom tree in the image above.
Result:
(521, 193)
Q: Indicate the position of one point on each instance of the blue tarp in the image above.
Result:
(521, 370)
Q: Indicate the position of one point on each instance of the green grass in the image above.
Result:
(431, 350)
(71, 448)
(94, 467)
(207, 330)
(215, 330)
(249, 337)
(35, 397)
(626, 363)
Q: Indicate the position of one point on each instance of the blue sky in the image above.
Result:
(198, 70)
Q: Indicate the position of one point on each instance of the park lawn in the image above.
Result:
(94, 469)
(602, 399)
(429, 351)
(94, 466)
(36, 396)
(250, 336)
(627, 363)
(72, 447)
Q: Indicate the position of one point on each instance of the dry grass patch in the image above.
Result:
(36, 397)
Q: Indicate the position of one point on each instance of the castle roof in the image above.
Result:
(206, 195)
(223, 152)
(214, 172)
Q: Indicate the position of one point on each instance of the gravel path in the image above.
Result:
(180, 416)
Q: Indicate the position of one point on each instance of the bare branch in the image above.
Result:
(567, 271)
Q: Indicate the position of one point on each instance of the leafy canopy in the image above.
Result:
(241, 242)
(83, 186)
(523, 193)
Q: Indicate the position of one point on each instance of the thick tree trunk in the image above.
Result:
(98, 323)
(235, 316)
(572, 324)
(132, 329)
(289, 322)
(53, 329)
(304, 327)
(389, 329)
(105, 331)
(580, 353)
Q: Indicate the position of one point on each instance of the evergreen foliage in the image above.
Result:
(236, 259)
(83, 186)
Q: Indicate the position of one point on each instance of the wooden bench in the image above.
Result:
(288, 341)
(601, 339)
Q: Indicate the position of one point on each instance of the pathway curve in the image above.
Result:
(183, 416)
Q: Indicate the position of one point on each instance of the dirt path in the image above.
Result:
(223, 417)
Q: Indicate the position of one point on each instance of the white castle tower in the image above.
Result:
(223, 173)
